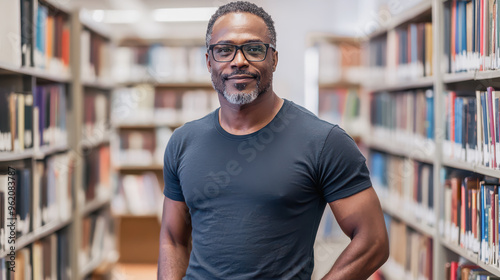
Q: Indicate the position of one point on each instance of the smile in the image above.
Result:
(241, 78)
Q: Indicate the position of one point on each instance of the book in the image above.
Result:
(471, 32)
(10, 45)
(51, 34)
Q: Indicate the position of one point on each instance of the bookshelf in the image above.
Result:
(92, 86)
(44, 140)
(454, 77)
(160, 85)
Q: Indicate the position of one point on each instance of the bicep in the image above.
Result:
(176, 222)
(360, 212)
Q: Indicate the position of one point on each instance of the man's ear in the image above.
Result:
(208, 63)
(275, 60)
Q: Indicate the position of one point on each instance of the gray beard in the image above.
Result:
(240, 98)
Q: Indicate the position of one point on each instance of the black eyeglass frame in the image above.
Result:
(240, 47)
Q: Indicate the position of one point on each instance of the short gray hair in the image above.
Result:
(241, 7)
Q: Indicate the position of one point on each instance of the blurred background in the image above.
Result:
(91, 91)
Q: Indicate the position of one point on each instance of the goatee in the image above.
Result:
(239, 97)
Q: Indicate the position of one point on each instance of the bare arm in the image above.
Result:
(175, 235)
(360, 217)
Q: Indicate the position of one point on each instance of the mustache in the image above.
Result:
(239, 72)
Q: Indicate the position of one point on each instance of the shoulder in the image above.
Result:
(189, 133)
(308, 121)
(194, 128)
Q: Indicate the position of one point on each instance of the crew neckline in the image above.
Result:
(282, 110)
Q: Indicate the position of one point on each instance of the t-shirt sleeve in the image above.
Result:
(342, 167)
(172, 187)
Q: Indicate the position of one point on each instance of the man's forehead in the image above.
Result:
(239, 20)
(239, 26)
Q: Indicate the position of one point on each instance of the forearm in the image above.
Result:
(362, 257)
(173, 261)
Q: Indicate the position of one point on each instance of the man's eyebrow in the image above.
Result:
(232, 42)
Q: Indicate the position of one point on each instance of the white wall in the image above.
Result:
(293, 21)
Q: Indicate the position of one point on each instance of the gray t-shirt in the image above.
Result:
(256, 200)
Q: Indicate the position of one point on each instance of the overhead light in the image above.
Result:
(183, 14)
(116, 16)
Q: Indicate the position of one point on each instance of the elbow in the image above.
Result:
(382, 250)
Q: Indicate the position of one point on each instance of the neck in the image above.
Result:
(248, 118)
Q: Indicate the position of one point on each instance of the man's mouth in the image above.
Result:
(241, 78)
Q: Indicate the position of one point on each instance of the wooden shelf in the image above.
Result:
(396, 149)
(450, 78)
(471, 167)
(470, 256)
(409, 220)
(39, 233)
(111, 257)
(340, 84)
(422, 8)
(35, 72)
(45, 151)
(486, 75)
(145, 125)
(128, 168)
(12, 156)
(424, 82)
(458, 77)
(127, 215)
(173, 85)
(95, 204)
(98, 84)
(94, 141)
(60, 5)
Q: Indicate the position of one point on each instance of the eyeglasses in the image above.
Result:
(253, 52)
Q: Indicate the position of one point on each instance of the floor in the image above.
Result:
(134, 271)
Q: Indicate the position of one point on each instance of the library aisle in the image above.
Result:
(92, 90)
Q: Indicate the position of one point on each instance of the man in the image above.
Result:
(250, 181)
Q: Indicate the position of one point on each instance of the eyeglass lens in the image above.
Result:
(252, 52)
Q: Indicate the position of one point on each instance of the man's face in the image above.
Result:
(241, 81)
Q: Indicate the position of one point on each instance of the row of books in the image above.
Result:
(377, 58)
(97, 237)
(28, 120)
(47, 200)
(97, 173)
(96, 114)
(53, 190)
(407, 184)
(404, 118)
(138, 195)
(96, 57)
(409, 52)
(52, 38)
(15, 205)
(160, 63)
(461, 269)
(339, 62)
(36, 35)
(143, 104)
(16, 121)
(341, 106)
(471, 211)
(471, 35)
(50, 115)
(141, 147)
(47, 258)
(410, 252)
(472, 127)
